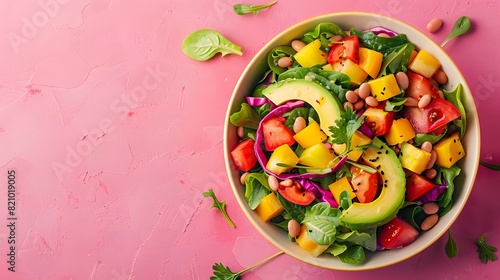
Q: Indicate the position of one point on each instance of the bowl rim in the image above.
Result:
(328, 18)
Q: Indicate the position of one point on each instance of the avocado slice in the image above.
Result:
(323, 101)
(385, 207)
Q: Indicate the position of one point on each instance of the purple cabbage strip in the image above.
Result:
(432, 195)
(380, 29)
(256, 101)
(320, 193)
(366, 130)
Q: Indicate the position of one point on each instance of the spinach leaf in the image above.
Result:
(249, 133)
(421, 138)
(294, 114)
(367, 239)
(353, 255)
(204, 44)
(381, 44)
(451, 247)
(256, 188)
(257, 92)
(281, 222)
(462, 26)
(296, 212)
(395, 104)
(455, 97)
(397, 59)
(345, 200)
(241, 9)
(336, 249)
(246, 117)
(413, 214)
(263, 110)
(322, 222)
(337, 78)
(295, 73)
(449, 175)
(275, 54)
(323, 32)
(338, 90)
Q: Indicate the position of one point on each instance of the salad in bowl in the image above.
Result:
(351, 146)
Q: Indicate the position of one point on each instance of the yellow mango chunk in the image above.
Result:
(310, 135)
(311, 55)
(413, 55)
(317, 156)
(370, 61)
(351, 69)
(384, 87)
(358, 139)
(285, 155)
(449, 151)
(413, 158)
(424, 64)
(400, 131)
(269, 207)
(308, 245)
(339, 186)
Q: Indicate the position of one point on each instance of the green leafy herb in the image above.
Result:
(451, 248)
(462, 26)
(336, 249)
(367, 239)
(204, 44)
(421, 138)
(486, 252)
(246, 117)
(322, 222)
(296, 212)
(445, 200)
(395, 104)
(455, 97)
(241, 9)
(366, 168)
(222, 272)
(353, 255)
(220, 205)
(381, 44)
(345, 200)
(256, 188)
(397, 60)
(275, 54)
(323, 32)
(345, 127)
(490, 166)
(413, 214)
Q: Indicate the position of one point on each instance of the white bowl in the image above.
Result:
(471, 140)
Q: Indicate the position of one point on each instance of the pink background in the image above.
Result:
(114, 134)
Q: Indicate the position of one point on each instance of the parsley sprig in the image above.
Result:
(219, 205)
(222, 272)
(486, 252)
(347, 125)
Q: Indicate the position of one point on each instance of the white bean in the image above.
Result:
(426, 146)
(371, 101)
(433, 159)
(364, 90)
(359, 105)
(287, 183)
(402, 80)
(440, 77)
(243, 178)
(348, 104)
(434, 25)
(351, 96)
(430, 173)
(293, 228)
(383, 35)
(273, 183)
(299, 124)
(424, 101)
(429, 222)
(285, 62)
(430, 207)
(297, 45)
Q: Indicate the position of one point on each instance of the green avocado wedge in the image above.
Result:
(385, 207)
(325, 103)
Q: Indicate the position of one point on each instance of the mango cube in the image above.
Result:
(317, 156)
(269, 207)
(310, 135)
(413, 158)
(384, 87)
(339, 186)
(424, 64)
(413, 55)
(358, 139)
(370, 61)
(449, 151)
(400, 131)
(311, 55)
(284, 155)
(351, 69)
(308, 245)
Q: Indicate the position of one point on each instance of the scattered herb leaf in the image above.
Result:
(451, 248)
(347, 124)
(222, 272)
(242, 9)
(220, 205)
(204, 44)
(486, 252)
(490, 166)
(462, 26)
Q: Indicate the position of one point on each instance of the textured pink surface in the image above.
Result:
(114, 134)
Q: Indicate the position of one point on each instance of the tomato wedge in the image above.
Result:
(276, 134)
(416, 186)
(243, 155)
(396, 233)
(378, 120)
(364, 184)
(297, 194)
(345, 49)
(433, 116)
(419, 86)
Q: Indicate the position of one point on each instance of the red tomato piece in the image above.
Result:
(378, 120)
(396, 233)
(345, 49)
(416, 186)
(276, 134)
(296, 194)
(364, 184)
(419, 86)
(243, 155)
(433, 116)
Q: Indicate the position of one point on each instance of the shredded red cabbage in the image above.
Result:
(261, 157)
(432, 195)
(380, 29)
(366, 130)
(256, 101)
(320, 193)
